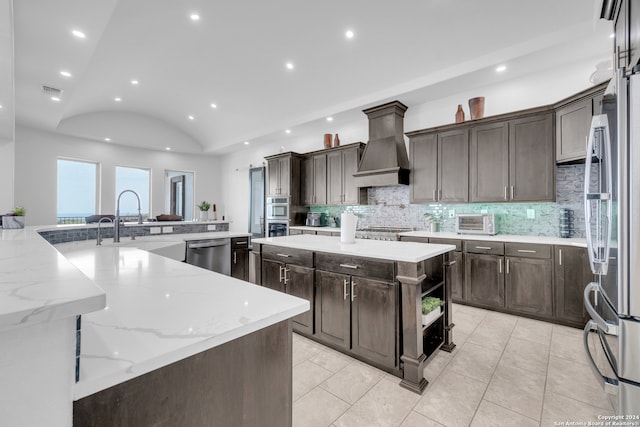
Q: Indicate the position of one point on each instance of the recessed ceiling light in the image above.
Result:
(65, 73)
(0, 106)
(329, 119)
(194, 17)
(168, 148)
(107, 139)
(191, 117)
(612, 35)
(117, 99)
(289, 66)
(246, 143)
(287, 131)
(349, 34)
(501, 68)
(79, 34)
(55, 98)
(213, 105)
(134, 82)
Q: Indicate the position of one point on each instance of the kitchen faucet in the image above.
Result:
(99, 239)
(116, 230)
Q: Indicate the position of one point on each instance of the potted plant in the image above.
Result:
(14, 219)
(204, 209)
(431, 308)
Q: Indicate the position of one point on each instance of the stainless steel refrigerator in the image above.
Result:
(612, 214)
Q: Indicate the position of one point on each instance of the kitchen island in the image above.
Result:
(174, 345)
(366, 297)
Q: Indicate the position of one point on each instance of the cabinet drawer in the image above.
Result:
(457, 243)
(288, 255)
(356, 266)
(484, 247)
(528, 250)
(323, 233)
(414, 239)
(240, 243)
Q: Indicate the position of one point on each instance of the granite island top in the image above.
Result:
(387, 250)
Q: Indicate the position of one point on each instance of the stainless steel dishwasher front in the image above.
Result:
(212, 254)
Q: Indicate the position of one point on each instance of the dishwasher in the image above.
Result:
(212, 254)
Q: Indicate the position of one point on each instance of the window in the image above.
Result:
(77, 190)
(138, 180)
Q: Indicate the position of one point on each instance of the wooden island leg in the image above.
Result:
(448, 345)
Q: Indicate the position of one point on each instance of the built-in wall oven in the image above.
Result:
(277, 228)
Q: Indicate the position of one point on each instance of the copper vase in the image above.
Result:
(336, 141)
(460, 114)
(476, 107)
(327, 140)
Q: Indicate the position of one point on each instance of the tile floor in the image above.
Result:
(505, 371)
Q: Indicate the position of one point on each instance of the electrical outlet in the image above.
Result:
(484, 211)
(452, 213)
(167, 230)
(211, 227)
(531, 213)
(155, 230)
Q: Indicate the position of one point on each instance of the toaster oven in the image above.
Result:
(475, 224)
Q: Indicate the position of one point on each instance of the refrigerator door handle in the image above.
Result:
(609, 385)
(606, 327)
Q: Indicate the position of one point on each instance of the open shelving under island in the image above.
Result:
(365, 297)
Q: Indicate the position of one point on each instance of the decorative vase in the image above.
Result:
(476, 107)
(204, 215)
(460, 114)
(434, 227)
(215, 214)
(327, 140)
(336, 141)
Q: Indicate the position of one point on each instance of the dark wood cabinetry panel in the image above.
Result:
(457, 277)
(572, 130)
(352, 194)
(299, 282)
(489, 163)
(532, 169)
(240, 258)
(333, 308)
(453, 166)
(572, 274)
(373, 320)
(334, 178)
(424, 168)
(284, 176)
(484, 279)
(529, 285)
(314, 180)
(272, 274)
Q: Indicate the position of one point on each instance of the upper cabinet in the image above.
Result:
(342, 163)
(314, 180)
(513, 160)
(284, 173)
(439, 166)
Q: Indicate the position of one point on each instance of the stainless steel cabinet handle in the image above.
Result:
(527, 251)
(349, 266)
(440, 194)
(505, 193)
(500, 264)
(235, 260)
(353, 290)
(344, 289)
(559, 256)
(281, 269)
(242, 243)
(507, 267)
(435, 196)
(512, 192)
(284, 255)
(286, 279)
(487, 248)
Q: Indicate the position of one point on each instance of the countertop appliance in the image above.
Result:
(381, 233)
(316, 219)
(476, 224)
(212, 254)
(612, 204)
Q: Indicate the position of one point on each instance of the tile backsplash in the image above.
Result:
(390, 206)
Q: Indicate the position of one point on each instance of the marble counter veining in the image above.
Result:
(509, 238)
(37, 284)
(393, 251)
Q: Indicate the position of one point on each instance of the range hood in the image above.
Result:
(384, 161)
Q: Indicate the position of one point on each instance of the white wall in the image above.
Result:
(7, 156)
(36, 154)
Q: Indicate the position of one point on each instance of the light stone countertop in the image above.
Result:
(510, 238)
(387, 250)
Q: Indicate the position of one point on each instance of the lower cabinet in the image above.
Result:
(528, 286)
(572, 274)
(484, 279)
(240, 258)
(333, 308)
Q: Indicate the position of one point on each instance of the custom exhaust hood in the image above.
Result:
(384, 161)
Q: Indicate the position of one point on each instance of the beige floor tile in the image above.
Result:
(306, 376)
(415, 419)
(499, 321)
(303, 349)
(331, 359)
(352, 381)
(492, 338)
(452, 400)
(467, 321)
(318, 408)
(575, 380)
(492, 415)
(386, 404)
(459, 337)
(559, 408)
(475, 362)
(436, 365)
(519, 390)
(533, 330)
(528, 355)
(567, 343)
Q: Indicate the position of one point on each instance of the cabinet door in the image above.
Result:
(320, 179)
(333, 303)
(453, 166)
(484, 279)
(457, 277)
(273, 181)
(272, 274)
(350, 160)
(373, 320)
(334, 178)
(423, 183)
(572, 274)
(307, 183)
(529, 285)
(532, 168)
(299, 282)
(284, 175)
(572, 130)
(489, 163)
(240, 264)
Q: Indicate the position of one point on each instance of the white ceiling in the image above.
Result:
(414, 50)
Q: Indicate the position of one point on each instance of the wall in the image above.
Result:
(7, 157)
(36, 154)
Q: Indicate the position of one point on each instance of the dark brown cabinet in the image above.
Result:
(456, 271)
(314, 180)
(440, 166)
(529, 279)
(572, 274)
(572, 130)
(333, 308)
(484, 279)
(342, 163)
(284, 176)
(489, 163)
(240, 258)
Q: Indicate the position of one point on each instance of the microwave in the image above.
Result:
(476, 224)
(277, 208)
